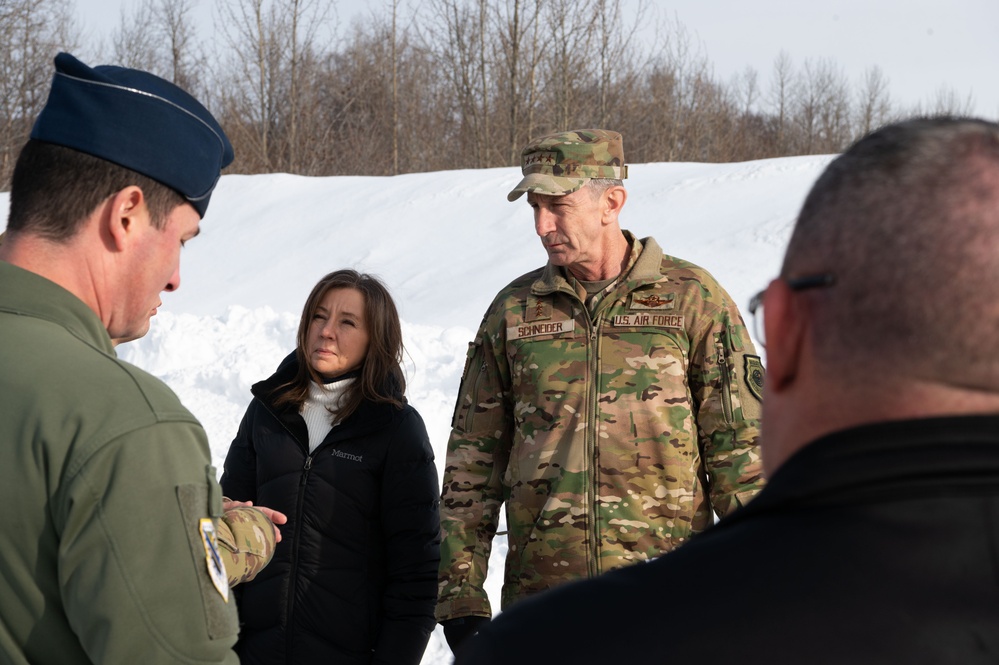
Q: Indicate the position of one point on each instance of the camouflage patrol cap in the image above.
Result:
(559, 164)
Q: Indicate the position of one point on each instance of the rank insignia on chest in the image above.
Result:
(216, 567)
(660, 301)
(754, 375)
(538, 309)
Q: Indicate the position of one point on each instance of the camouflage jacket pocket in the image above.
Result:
(471, 379)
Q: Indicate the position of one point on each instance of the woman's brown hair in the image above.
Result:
(381, 377)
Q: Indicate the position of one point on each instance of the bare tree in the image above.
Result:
(133, 42)
(395, 88)
(822, 108)
(572, 27)
(455, 35)
(272, 45)
(158, 36)
(517, 24)
(781, 91)
(946, 101)
(618, 67)
(31, 33)
(173, 18)
(873, 102)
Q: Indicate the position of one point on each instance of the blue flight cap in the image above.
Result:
(136, 120)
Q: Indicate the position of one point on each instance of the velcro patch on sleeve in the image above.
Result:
(754, 374)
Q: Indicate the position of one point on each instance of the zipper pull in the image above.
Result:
(308, 462)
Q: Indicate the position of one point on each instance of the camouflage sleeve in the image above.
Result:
(247, 541)
(477, 455)
(727, 381)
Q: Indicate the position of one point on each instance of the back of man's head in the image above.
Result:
(907, 220)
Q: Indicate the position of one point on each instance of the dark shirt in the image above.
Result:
(878, 544)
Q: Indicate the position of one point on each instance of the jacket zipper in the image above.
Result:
(593, 446)
(293, 572)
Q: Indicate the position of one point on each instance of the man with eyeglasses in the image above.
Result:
(875, 540)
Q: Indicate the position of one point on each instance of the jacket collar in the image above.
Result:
(26, 293)
(643, 268)
(884, 459)
(368, 417)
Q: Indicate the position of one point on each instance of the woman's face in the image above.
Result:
(338, 333)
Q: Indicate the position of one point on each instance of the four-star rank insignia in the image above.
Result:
(754, 374)
(538, 309)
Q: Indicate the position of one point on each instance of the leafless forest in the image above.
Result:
(444, 84)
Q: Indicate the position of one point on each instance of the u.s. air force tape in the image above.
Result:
(650, 319)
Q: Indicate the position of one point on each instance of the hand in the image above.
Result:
(456, 631)
(276, 517)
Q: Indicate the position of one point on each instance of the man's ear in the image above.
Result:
(784, 321)
(613, 200)
(125, 210)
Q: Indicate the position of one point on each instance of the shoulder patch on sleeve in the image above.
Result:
(754, 374)
(216, 567)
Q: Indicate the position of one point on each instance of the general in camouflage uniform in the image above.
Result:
(611, 399)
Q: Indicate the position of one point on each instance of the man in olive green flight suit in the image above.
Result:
(109, 538)
(246, 534)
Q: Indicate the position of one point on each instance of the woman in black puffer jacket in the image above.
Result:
(330, 441)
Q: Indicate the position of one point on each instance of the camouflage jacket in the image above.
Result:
(246, 539)
(610, 435)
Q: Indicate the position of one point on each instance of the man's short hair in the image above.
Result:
(597, 186)
(907, 219)
(54, 189)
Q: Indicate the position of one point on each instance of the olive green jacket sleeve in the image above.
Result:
(108, 545)
(137, 543)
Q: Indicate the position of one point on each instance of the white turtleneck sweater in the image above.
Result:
(320, 407)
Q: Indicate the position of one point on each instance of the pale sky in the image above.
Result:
(920, 45)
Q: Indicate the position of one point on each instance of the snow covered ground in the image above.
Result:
(444, 243)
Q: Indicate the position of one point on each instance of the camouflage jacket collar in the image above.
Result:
(643, 268)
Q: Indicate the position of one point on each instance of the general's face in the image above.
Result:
(338, 333)
(155, 267)
(569, 226)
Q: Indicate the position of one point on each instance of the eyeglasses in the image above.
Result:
(819, 281)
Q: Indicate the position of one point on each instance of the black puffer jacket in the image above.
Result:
(354, 578)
